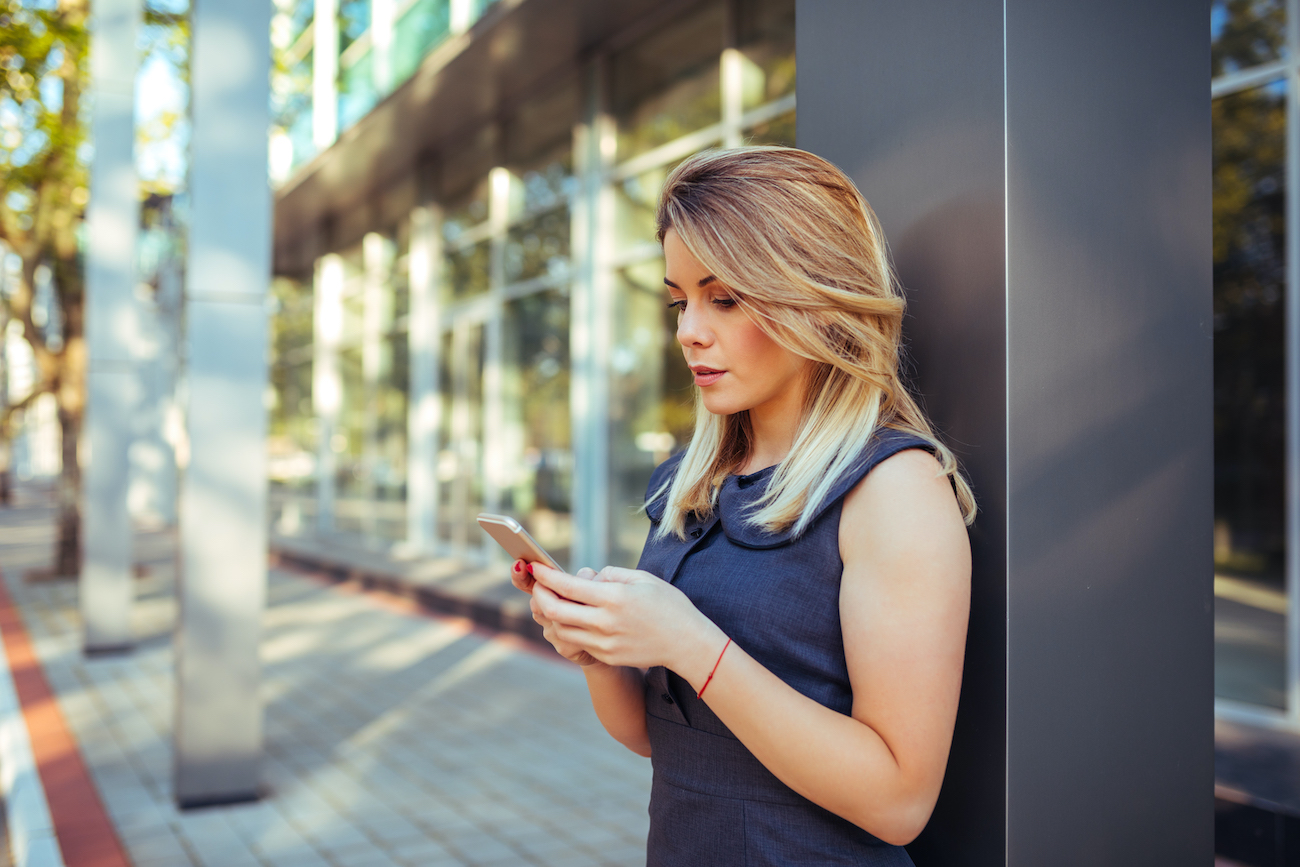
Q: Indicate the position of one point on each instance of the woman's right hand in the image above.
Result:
(521, 577)
(571, 652)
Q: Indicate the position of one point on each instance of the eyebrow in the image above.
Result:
(705, 282)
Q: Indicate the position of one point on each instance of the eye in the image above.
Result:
(724, 302)
(679, 306)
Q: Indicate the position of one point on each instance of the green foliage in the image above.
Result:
(163, 134)
(44, 173)
(1254, 32)
(1249, 328)
(43, 158)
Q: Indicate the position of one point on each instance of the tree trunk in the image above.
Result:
(68, 547)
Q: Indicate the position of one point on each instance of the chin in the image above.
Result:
(720, 405)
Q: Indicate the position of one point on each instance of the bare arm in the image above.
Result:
(904, 603)
(618, 695)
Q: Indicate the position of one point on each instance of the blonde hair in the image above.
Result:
(803, 255)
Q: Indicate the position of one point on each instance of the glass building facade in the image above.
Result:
(336, 59)
(1254, 110)
(489, 332)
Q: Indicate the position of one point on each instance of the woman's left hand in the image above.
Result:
(624, 616)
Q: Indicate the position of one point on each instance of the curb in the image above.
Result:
(481, 612)
(31, 829)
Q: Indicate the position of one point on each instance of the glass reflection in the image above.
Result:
(353, 21)
(467, 272)
(537, 247)
(467, 212)
(1249, 395)
(667, 85)
(652, 396)
(535, 399)
(766, 42)
(420, 28)
(349, 438)
(636, 200)
(357, 94)
(291, 444)
(1246, 33)
(777, 131)
(460, 441)
(550, 186)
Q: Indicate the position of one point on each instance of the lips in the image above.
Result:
(706, 376)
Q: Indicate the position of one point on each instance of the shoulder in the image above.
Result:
(655, 495)
(664, 473)
(883, 447)
(905, 504)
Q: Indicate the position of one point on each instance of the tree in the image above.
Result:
(1250, 297)
(44, 172)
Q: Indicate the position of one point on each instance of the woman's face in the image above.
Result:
(736, 366)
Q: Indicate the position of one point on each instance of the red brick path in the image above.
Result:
(86, 836)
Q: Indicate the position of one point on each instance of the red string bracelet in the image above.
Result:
(700, 694)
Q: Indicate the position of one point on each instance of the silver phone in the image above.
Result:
(511, 536)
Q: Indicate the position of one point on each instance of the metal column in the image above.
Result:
(1042, 171)
(326, 381)
(218, 737)
(112, 330)
(423, 413)
(591, 320)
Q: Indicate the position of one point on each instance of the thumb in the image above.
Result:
(585, 572)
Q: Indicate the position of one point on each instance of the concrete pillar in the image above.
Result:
(326, 381)
(112, 330)
(376, 252)
(423, 405)
(590, 326)
(383, 15)
(461, 16)
(505, 190)
(1042, 172)
(218, 734)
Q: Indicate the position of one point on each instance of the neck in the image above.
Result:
(774, 425)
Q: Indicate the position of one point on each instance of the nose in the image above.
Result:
(692, 330)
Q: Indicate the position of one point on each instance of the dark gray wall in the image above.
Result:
(1045, 189)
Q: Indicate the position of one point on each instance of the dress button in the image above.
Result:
(668, 699)
(696, 533)
(744, 481)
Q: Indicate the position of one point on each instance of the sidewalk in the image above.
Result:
(392, 736)
(482, 594)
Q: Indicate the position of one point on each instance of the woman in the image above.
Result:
(789, 651)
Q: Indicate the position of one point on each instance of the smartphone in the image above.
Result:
(515, 539)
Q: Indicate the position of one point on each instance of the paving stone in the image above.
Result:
(363, 855)
(392, 739)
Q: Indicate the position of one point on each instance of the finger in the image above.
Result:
(575, 637)
(572, 587)
(564, 611)
(619, 575)
(520, 577)
(586, 572)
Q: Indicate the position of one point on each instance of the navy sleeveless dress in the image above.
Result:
(712, 804)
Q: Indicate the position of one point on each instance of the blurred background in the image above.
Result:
(466, 308)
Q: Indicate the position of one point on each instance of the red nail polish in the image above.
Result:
(528, 567)
(516, 567)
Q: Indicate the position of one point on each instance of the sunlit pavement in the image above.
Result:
(391, 737)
